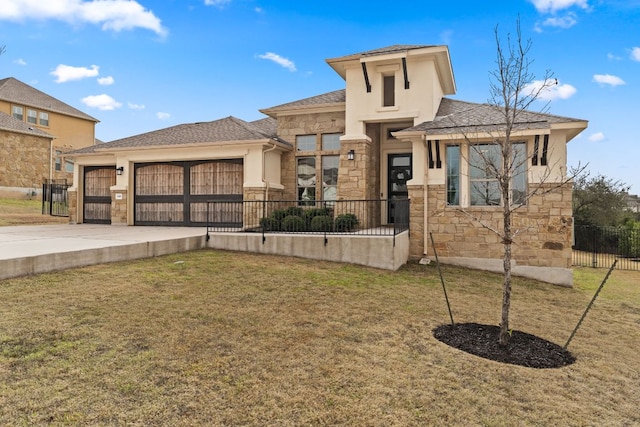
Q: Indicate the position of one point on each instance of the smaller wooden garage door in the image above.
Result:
(97, 194)
(176, 193)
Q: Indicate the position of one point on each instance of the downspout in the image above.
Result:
(264, 180)
(426, 202)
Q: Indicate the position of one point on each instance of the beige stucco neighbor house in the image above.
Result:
(391, 133)
(36, 130)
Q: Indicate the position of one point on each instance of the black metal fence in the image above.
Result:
(364, 217)
(54, 198)
(600, 246)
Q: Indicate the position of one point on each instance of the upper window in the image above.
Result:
(32, 116)
(389, 91)
(306, 143)
(485, 164)
(44, 118)
(18, 112)
(68, 165)
(58, 161)
(331, 141)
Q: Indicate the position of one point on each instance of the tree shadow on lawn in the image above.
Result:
(523, 349)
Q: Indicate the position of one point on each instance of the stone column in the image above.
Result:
(72, 200)
(416, 221)
(119, 207)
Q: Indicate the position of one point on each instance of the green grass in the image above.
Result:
(25, 212)
(224, 338)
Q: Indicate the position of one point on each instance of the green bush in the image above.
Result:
(322, 223)
(293, 223)
(279, 215)
(346, 222)
(294, 211)
(629, 243)
(309, 214)
(270, 224)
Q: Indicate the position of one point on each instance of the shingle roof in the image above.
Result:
(382, 51)
(460, 116)
(335, 97)
(11, 124)
(228, 129)
(13, 90)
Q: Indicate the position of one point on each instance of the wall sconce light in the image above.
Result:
(120, 170)
(351, 154)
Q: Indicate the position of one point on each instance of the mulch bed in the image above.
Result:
(523, 349)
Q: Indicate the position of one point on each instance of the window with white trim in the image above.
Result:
(485, 164)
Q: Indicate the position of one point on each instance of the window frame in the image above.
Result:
(301, 189)
(15, 114)
(389, 90)
(32, 119)
(451, 176)
(45, 122)
(300, 140)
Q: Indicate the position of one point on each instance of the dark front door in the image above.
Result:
(97, 194)
(399, 172)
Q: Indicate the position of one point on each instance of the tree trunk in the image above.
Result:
(505, 332)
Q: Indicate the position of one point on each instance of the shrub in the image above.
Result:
(629, 243)
(294, 211)
(309, 214)
(293, 223)
(270, 224)
(279, 215)
(346, 222)
(322, 223)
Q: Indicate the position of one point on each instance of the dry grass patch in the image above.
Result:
(24, 212)
(223, 338)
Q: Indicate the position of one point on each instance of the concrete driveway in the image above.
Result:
(33, 249)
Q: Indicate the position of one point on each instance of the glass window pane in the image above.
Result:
(330, 166)
(306, 172)
(68, 165)
(331, 141)
(32, 116)
(485, 193)
(453, 174)
(18, 112)
(484, 160)
(389, 88)
(44, 119)
(306, 143)
(519, 178)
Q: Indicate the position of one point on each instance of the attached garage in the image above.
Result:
(175, 193)
(97, 194)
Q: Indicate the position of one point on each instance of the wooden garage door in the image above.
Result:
(176, 193)
(97, 194)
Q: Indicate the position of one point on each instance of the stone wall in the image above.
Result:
(24, 160)
(119, 207)
(305, 124)
(72, 199)
(545, 225)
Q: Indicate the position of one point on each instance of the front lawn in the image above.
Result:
(225, 338)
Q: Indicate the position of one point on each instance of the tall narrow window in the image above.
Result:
(32, 116)
(389, 91)
(306, 173)
(330, 177)
(519, 176)
(18, 112)
(68, 165)
(58, 161)
(44, 118)
(453, 175)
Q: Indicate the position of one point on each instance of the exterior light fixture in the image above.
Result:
(351, 154)
(120, 170)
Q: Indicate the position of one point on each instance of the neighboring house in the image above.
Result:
(390, 134)
(37, 113)
(633, 203)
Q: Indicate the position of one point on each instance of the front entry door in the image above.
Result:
(399, 172)
(97, 193)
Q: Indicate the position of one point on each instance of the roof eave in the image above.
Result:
(314, 108)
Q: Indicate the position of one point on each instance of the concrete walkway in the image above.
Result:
(33, 249)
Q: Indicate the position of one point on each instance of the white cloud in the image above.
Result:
(67, 73)
(282, 61)
(608, 79)
(20, 61)
(612, 57)
(218, 3)
(635, 54)
(258, 10)
(101, 102)
(597, 137)
(136, 106)
(551, 92)
(115, 15)
(566, 21)
(163, 116)
(552, 6)
(105, 81)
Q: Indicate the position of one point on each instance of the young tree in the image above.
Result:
(503, 161)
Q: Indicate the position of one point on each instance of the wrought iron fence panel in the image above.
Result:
(598, 247)
(55, 201)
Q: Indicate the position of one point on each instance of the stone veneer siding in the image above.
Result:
(305, 124)
(119, 208)
(72, 199)
(546, 225)
(25, 160)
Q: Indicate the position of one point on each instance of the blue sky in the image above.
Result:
(141, 65)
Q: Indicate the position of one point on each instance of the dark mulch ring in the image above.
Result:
(523, 349)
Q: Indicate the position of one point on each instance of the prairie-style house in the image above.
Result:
(391, 134)
(36, 130)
